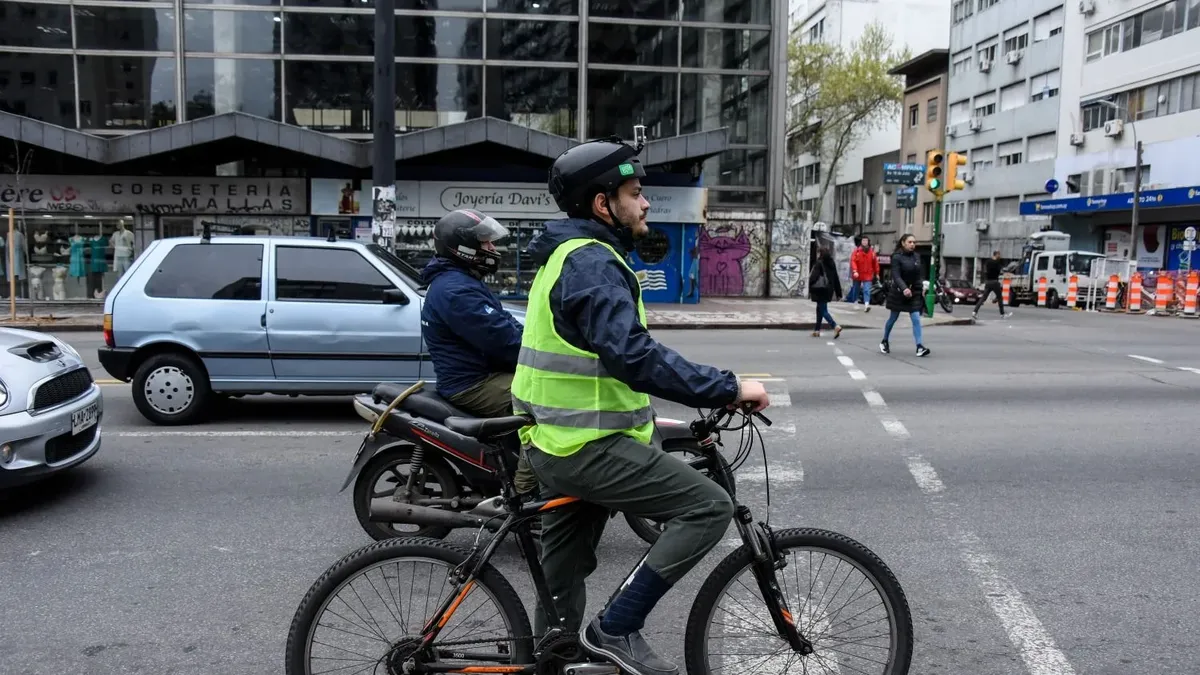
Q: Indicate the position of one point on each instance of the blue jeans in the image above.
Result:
(916, 323)
(857, 287)
(823, 313)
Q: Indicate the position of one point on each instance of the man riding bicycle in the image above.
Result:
(586, 370)
(472, 340)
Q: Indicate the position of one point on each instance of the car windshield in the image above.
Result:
(410, 273)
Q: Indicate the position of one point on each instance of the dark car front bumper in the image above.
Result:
(115, 361)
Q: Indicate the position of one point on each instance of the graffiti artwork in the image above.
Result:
(787, 269)
(721, 261)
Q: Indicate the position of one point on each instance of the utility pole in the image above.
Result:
(935, 254)
(1137, 197)
(383, 174)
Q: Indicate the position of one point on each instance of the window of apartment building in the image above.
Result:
(1048, 25)
(810, 175)
(910, 215)
(979, 209)
(914, 112)
(960, 112)
(1016, 38)
(954, 212)
(1156, 100)
(927, 212)
(931, 110)
(961, 10)
(1010, 153)
(1042, 147)
(1075, 183)
(1007, 208)
(1124, 178)
(808, 204)
(987, 53)
(1152, 25)
(984, 4)
(985, 104)
(960, 62)
(1044, 85)
(982, 158)
(870, 209)
(816, 32)
(911, 159)
(1012, 96)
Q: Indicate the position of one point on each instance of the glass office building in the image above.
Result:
(574, 68)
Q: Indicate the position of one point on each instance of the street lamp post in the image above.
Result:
(1137, 176)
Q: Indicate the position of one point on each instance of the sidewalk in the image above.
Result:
(710, 313)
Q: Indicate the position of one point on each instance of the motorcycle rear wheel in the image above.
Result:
(439, 481)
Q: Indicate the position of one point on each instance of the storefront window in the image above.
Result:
(38, 86)
(653, 107)
(72, 257)
(513, 277)
(538, 98)
(216, 86)
(126, 92)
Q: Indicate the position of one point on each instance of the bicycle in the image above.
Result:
(800, 633)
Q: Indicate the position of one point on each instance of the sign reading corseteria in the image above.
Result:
(155, 195)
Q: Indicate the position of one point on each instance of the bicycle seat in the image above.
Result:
(486, 427)
(425, 404)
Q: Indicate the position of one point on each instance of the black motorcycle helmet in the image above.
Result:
(459, 237)
(589, 169)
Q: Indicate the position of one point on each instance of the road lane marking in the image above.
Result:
(1190, 369)
(1038, 650)
(846, 361)
(1147, 359)
(108, 382)
(299, 433)
(753, 376)
(779, 399)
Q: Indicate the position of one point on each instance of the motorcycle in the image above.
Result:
(406, 456)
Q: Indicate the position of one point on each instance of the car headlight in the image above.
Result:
(3, 395)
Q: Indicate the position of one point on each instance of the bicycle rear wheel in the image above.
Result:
(365, 613)
(728, 630)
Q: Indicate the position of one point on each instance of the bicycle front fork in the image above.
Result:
(765, 560)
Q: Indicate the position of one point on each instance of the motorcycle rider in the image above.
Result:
(587, 369)
(473, 341)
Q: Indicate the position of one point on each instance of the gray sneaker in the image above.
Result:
(630, 653)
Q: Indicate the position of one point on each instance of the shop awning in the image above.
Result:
(695, 147)
(1147, 199)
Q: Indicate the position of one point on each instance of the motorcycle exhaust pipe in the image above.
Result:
(384, 510)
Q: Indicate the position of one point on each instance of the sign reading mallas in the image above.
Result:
(155, 195)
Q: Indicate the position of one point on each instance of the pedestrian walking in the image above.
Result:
(991, 276)
(864, 268)
(906, 294)
(824, 286)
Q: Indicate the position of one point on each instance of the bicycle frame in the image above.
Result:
(756, 536)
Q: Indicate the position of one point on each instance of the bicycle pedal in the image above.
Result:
(590, 669)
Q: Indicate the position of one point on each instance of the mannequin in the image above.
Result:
(21, 258)
(35, 282)
(60, 283)
(122, 241)
(78, 268)
(98, 264)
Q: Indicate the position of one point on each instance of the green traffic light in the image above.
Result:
(934, 184)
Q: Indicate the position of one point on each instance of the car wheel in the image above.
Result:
(171, 389)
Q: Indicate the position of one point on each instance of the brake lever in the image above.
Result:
(747, 409)
(763, 418)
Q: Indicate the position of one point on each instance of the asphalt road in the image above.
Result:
(1031, 483)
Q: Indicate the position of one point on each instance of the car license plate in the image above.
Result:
(85, 419)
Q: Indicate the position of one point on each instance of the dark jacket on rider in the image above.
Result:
(468, 332)
(595, 309)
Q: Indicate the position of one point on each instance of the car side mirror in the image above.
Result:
(395, 296)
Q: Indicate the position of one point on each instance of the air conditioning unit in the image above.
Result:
(976, 123)
(1113, 128)
(951, 130)
(1087, 6)
(1124, 187)
(985, 65)
(968, 177)
(1014, 56)
(981, 225)
(1077, 140)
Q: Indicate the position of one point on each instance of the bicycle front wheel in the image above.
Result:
(842, 597)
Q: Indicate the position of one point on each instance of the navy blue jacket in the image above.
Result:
(469, 334)
(595, 309)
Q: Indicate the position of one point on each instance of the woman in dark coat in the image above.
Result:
(907, 294)
(824, 286)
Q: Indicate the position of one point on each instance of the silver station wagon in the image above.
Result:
(198, 317)
(50, 409)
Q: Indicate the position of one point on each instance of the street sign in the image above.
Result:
(906, 198)
(1190, 233)
(903, 174)
(1051, 186)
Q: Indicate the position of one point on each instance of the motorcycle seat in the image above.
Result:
(425, 404)
(486, 427)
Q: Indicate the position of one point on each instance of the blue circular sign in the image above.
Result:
(1051, 186)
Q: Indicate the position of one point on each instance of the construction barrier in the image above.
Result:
(1006, 290)
(1134, 301)
(1114, 283)
(1073, 292)
(1189, 297)
(1162, 295)
(1041, 292)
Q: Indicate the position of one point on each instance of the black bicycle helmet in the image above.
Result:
(589, 169)
(459, 237)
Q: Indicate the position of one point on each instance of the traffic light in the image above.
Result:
(953, 182)
(934, 160)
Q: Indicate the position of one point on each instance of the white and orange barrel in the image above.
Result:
(1189, 297)
(1162, 294)
(1006, 289)
(1073, 291)
(1135, 292)
(1114, 283)
(1042, 292)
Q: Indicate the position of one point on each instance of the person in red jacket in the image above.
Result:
(864, 267)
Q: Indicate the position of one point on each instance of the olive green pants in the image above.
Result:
(618, 473)
(493, 398)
